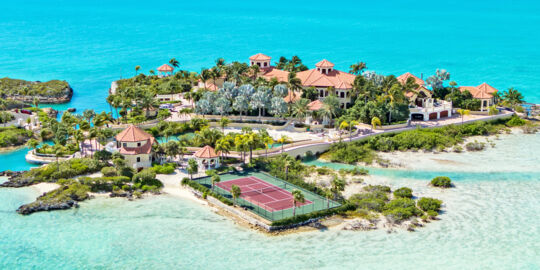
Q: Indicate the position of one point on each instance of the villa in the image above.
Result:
(136, 147)
(483, 92)
(323, 77)
(422, 104)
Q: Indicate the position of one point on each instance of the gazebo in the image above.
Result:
(207, 158)
(165, 69)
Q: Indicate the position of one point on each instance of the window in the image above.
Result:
(125, 144)
(138, 159)
(342, 94)
(252, 63)
(265, 64)
(138, 144)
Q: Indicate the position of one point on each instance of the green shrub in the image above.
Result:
(108, 171)
(401, 209)
(429, 204)
(403, 192)
(317, 214)
(377, 188)
(475, 146)
(441, 181)
(515, 121)
(167, 168)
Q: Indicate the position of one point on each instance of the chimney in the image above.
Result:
(421, 76)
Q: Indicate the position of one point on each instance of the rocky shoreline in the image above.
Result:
(39, 206)
(15, 179)
(46, 100)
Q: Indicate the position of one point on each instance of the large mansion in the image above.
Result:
(323, 77)
(136, 147)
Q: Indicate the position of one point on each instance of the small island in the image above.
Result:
(237, 137)
(53, 91)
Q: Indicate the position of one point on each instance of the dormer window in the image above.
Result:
(265, 64)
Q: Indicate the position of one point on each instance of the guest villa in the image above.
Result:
(136, 146)
(483, 92)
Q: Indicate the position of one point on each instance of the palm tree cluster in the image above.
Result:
(73, 129)
(379, 96)
(292, 65)
(244, 99)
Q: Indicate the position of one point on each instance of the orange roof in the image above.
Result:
(293, 96)
(272, 72)
(315, 105)
(145, 149)
(324, 64)
(411, 94)
(483, 91)
(334, 78)
(210, 86)
(404, 77)
(165, 68)
(133, 134)
(206, 152)
(260, 57)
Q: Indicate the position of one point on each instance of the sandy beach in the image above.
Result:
(44, 187)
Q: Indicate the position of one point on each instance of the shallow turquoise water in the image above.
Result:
(488, 222)
(490, 219)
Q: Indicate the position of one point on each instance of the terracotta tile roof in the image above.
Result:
(404, 77)
(426, 91)
(272, 72)
(483, 91)
(165, 68)
(206, 152)
(260, 57)
(324, 64)
(210, 86)
(293, 96)
(315, 105)
(334, 78)
(144, 149)
(133, 134)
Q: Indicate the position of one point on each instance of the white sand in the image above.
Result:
(171, 186)
(44, 187)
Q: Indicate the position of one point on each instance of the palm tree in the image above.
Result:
(137, 68)
(223, 123)
(215, 179)
(375, 121)
(172, 149)
(357, 68)
(32, 143)
(352, 124)
(329, 108)
(300, 108)
(298, 197)
(513, 97)
(235, 192)
(493, 110)
(294, 82)
(174, 62)
(268, 142)
(192, 168)
(35, 101)
(343, 125)
(283, 140)
(223, 145)
(328, 195)
(463, 112)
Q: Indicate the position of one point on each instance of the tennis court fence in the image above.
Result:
(317, 202)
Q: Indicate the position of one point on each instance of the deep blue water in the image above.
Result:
(91, 43)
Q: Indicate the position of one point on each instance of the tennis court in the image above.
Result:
(259, 192)
(266, 195)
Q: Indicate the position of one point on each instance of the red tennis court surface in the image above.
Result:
(258, 192)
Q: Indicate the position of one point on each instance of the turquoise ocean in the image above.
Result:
(490, 219)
